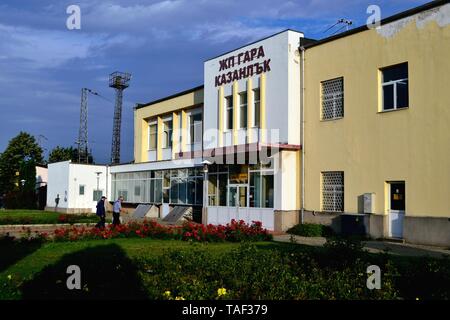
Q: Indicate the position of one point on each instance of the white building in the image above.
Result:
(77, 186)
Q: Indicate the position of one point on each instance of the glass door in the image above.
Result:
(237, 195)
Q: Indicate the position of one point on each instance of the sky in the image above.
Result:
(163, 44)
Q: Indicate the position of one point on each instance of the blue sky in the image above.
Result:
(43, 65)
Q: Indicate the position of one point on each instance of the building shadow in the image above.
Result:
(106, 273)
(14, 250)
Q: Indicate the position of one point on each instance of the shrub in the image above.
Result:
(234, 231)
(251, 273)
(310, 230)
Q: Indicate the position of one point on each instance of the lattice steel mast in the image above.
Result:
(83, 154)
(119, 81)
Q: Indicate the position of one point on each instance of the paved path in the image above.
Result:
(403, 249)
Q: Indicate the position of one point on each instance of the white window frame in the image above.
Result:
(190, 116)
(241, 106)
(150, 124)
(254, 124)
(334, 97)
(394, 84)
(336, 191)
(167, 141)
(226, 109)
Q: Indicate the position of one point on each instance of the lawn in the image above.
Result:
(42, 217)
(128, 268)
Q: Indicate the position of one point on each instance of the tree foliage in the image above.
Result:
(18, 162)
(64, 154)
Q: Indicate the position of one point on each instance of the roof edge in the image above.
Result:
(395, 17)
(143, 105)
(249, 44)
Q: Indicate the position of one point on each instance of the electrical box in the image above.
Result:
(369, 202)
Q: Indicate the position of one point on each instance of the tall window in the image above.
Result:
(229, 113)
(152, 136)
(167, 134)
(81, 190)
(333, 191)
(243, 110)
(395, 87)
(333, 99)
(257, 108)
(195, 127)
(261, 187)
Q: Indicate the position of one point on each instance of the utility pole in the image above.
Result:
(119, 81)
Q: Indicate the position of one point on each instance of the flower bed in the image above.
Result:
(234, 231)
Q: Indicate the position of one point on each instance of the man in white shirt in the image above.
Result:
(117, 208)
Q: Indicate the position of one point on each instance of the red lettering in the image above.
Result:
(259, 68)
(239, 57)
(242, 73)
(246, 56)
(249, 71)
(223, 64)
(267, 65)
(260, 52)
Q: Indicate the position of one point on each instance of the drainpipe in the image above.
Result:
(302, 138)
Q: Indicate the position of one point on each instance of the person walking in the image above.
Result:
(117, 208)
(101, 213)
(56, 202)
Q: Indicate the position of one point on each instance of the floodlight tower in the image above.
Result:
(119, 81)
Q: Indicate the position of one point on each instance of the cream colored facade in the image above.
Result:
(373, 147)
(176, 107)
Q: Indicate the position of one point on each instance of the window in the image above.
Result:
(229, 113)
(81, 190)
(333, 191)
(395, 87)
(167, 134)
(261, 189)
(257, 108)
(333, 99)
(217, 189)
(137, 191)
(152, 138)
(195, 128)
(97, 195)
(124, 194)
(243, 110)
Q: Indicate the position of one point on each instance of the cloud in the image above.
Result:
(51, 49)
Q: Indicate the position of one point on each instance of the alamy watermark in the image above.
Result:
(374, 20)
(373, 277)
(74, 280)
(73, 22)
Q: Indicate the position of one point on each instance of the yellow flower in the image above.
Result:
(179, 298)
(167, 293)
(9, 277)
(221, 292)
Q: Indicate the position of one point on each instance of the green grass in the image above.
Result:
(25, 262)
(127, 268)
(40, 217)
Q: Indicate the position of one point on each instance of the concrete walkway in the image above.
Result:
(402, 249)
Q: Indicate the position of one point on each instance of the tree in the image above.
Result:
(21, 153)
(63, 154)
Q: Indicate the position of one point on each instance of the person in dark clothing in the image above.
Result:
(101, 213)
